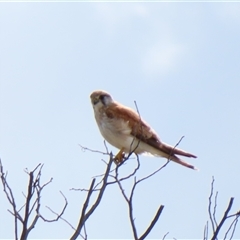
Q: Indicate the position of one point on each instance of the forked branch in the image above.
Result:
(216, 227)
(32, 202)
(84, 215)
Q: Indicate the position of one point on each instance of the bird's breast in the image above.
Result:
(115, 130)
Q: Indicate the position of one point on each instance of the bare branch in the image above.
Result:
(205, 234)
(215, 226)
(130, 207)
(232, 225)
(210, 204)
(59, 215)
(223, 218)
(9, 194)
(105, 144)
(215, 208)
(85, 215)
(153, 173)
(32, 201)
(165, 235)
(136, 127)
(125, 177)
(32, 185)
(84, 209)
(163, 166)
(91, 150)
(154, 221)
(130, 199)
(237, 214)
(85, 231)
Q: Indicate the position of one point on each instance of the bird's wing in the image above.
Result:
(142, 131)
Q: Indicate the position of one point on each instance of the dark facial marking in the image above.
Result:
(102, 98)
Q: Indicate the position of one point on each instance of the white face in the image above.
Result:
(100, 99)
(106, 99)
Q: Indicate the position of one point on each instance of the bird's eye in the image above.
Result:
(102, 97)
(105, 99)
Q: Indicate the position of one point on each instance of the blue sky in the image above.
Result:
(179, 61)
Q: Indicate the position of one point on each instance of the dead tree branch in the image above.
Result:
(129, 201)
(210, 205)
(85, 215)
(205, 234)
(32, 201)
(9, 194)
(212, 215)
(100, 187)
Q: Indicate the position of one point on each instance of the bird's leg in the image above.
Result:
(119, 157)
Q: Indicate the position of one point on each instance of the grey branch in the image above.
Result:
(86, 214)
(212, 215)
(32, 201)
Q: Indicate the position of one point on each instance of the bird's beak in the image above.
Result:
(95, 100)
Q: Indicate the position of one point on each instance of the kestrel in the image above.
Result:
(125, 129)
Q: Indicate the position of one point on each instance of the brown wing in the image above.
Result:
(142, 131)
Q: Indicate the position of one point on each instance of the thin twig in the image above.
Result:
(125, 177)
(91, 150)
(234, 228)
(59, 215)
(130, 208)
(105, 144)
(85, 215)
(233, 224)
(130, 199)
(210, 204)
(85, 231)
(223, 218)
(165, 235)
(9, 194)
(215, 209)
(154, 221)
(205, 234)
(32, 201)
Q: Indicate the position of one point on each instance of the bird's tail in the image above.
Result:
(171, 152)
(176, 159)
(175, 151)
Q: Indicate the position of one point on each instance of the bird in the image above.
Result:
(125, 129)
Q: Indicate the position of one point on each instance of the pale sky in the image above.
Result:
(179, 61)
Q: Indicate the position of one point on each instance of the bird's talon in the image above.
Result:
(119, 157)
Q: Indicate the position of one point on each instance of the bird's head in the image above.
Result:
(100, 98)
